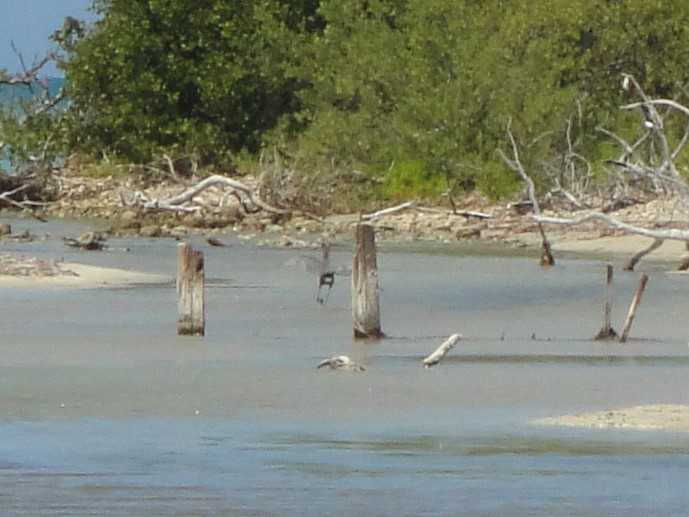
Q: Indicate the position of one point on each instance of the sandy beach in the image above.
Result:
(71, 275)
(621, 245)
(666, 417)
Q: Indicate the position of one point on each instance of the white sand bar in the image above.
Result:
(667, 417)
(79, 276)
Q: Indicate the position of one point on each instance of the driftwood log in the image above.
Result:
(441, 351)
(187, 201)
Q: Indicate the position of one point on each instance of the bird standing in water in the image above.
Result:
(341, 362)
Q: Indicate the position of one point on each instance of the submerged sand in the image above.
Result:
(667, 417)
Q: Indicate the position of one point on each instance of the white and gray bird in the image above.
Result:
(341, 362)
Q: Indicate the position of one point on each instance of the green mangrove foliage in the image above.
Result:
(203, 77)
(409, 97)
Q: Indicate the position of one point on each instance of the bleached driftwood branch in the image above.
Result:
(387, 211)
(177, 202)
(670, 234)
(441, 351)
(659, 172)
(7, 196)
(658, 102)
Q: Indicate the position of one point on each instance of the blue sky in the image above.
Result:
(29, 23)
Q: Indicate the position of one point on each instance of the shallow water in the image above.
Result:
(107, 412)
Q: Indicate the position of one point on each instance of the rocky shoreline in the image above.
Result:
(217, 211)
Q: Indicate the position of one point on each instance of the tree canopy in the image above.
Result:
(414, 95)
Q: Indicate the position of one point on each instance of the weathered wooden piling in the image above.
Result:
(190, 286)
(365, 294)
(632, 308)
(606, 331)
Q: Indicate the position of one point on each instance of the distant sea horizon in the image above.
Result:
(11, 96)
(12, 93)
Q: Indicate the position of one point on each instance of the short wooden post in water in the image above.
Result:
(632, 308)
(190, 285)
(607, 332)
(365, 300)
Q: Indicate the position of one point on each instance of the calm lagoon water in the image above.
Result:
(107, 412)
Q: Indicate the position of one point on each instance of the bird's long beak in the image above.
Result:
(323, 363)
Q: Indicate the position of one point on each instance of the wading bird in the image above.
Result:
(326, 274)
(341, 362)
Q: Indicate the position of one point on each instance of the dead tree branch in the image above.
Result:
(515, 164)
(646, 164)
(179, 202)
(670, 234)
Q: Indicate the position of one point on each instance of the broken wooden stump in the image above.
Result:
(606, 331)
(636, 300)
(190, 287)
(365, 294)
(441, 351)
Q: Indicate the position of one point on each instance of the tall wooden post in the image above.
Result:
(190, 285)
(607, 332)
(632, 308)
(365, 301)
